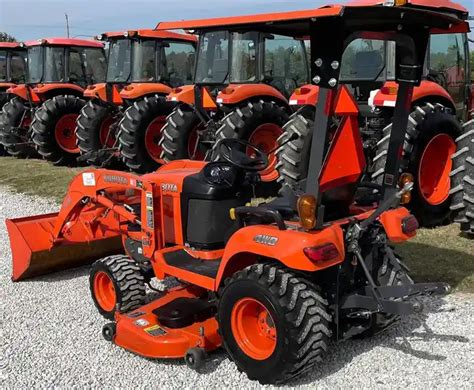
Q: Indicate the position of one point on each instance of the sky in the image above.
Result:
(33, 19)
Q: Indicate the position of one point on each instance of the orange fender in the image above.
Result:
(286, 246)
(307, 95)
(22, 92)
(236, 93)
(99, 91)
(387, 95)
(6, 85)
(183, 94)
(41, 89)
(138, 90)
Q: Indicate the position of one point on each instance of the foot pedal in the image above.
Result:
(183, 312)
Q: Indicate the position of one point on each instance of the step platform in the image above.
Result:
(169, 326)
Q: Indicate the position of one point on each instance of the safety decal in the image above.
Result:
(88, 179)
(142, 322)
(155, 330)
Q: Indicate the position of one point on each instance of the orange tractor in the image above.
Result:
(143, 67)
(440, 104)
(42, 114)
(272, 283)
(241, 87)
(12, 72)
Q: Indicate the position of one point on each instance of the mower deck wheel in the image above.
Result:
(195, 358)
(109, 330)
(116, 283)
(274, 323)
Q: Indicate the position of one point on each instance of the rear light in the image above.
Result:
(326, 252)
(128, 87)
(302, 91)
(405, 178)
(389, 90)
(227, 91)
(409, 224)
(176, 90)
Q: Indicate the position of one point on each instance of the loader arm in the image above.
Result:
(89, 224)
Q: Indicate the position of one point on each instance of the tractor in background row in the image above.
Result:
(273, 283)
(143, 67)
(242, 83)
(442, 102)
(12, 72)
(41, 116)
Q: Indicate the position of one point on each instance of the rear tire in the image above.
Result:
(288, 333)
(462, 180)
(14, 111)
(95, 130)
(425, 123)
(261, 123)
(116, 283)
(180, 135)
(54, 127)
(140, 133)
(293, 157)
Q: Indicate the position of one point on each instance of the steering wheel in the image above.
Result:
(230, 149)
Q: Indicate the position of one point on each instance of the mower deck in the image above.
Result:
(142, 332)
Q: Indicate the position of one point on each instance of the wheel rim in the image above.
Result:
(104, 291)
(253, 328)
(435, 165)
(106, 136)
(64, 133)
(194, 151)
(26, 122)
(265, 138)
(152, 138)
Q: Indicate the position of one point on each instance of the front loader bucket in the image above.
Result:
(35, 252)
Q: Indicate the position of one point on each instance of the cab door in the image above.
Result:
(448, 67)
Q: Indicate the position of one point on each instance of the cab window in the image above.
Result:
(178, 63)
(285, 63)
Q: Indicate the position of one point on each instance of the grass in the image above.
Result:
(434, 255)
(36, 177)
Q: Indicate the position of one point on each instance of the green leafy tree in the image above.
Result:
(5, 37)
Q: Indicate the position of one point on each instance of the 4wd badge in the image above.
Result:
(266, 240)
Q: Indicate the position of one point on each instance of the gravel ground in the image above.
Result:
(50, 337)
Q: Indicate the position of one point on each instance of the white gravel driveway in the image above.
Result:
(50, 336)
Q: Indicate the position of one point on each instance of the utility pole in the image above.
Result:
(67, 24)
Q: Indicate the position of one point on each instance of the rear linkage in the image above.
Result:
(385, 299)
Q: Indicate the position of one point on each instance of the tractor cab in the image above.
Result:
(139, 57)
(12, 67)
(143, 67)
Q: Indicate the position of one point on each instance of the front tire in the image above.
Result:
(427, 151)
(274, 324)
(140, 133)
(462, 180)
(14, 117)
(54, 127)
(180, 138)
(260, 123)
(116, 283)
(96, 129)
